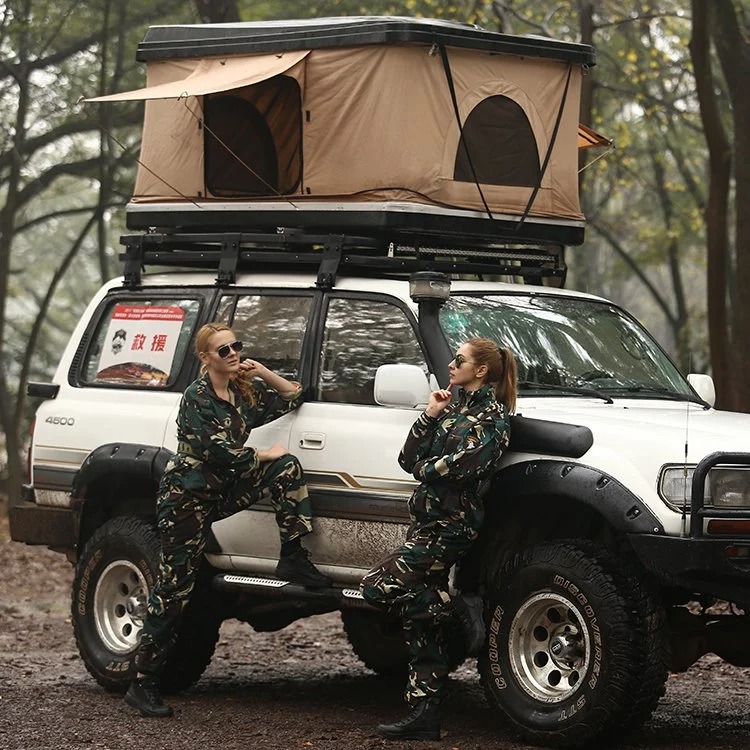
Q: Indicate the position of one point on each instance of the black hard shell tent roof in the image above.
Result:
(196, 40)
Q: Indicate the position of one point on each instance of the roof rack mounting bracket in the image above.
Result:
(329, 263)
(230, 254)
(132, 259)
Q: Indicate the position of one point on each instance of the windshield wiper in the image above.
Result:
(660, 391)
(530, 385)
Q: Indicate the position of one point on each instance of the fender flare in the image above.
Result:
(603, 494)
(138, 462)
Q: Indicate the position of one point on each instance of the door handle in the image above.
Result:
(312, 440)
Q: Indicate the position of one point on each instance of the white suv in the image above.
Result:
(624, 495)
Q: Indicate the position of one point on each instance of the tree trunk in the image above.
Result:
(217, 11)
(717, 206)
(8, 404)
(584, 273)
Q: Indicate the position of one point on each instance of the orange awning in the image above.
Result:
(588, 138)
(213, 75)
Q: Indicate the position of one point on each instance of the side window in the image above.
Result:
(140, 343)
(272, 328)
(360, 335)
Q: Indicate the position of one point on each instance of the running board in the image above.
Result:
(342, 597)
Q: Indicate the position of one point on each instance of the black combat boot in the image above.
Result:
(469, 611)
(423, 723)
(144, 695)
(295, 567)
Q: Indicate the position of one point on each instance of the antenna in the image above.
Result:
(683, 531)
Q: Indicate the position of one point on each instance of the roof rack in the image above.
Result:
(229, 252)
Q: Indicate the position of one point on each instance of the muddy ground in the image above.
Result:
(299, 688)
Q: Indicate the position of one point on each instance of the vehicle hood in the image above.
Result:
(654, 429)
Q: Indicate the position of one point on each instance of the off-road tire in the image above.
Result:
(114, 575)
(569, 638)
(378, 640)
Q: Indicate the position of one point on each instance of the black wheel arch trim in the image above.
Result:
(145, 462)
(622, 509)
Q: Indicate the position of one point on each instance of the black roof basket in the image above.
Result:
(228, 252)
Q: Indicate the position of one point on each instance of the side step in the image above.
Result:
(342, 597)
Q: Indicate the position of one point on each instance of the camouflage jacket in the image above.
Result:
(212, 432)
(451, 454)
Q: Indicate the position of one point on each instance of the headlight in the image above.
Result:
(729, 488)
(726, 487)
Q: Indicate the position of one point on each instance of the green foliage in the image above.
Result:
(55, 175)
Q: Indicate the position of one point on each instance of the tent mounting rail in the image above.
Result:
(230, 252)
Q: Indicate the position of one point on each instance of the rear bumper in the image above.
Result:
(41, 524)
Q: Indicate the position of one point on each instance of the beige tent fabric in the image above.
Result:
(393, 124)
(214, 74)
(376, 121)
(172, 145)
(588, 138)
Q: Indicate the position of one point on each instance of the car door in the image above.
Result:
(273, 325)
(347, 443)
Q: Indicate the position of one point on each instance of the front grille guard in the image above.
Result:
(698, 511)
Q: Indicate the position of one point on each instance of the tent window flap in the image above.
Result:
(501, 143)
(253, 140)
(213, 75)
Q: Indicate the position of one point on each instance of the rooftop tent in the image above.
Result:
(350, 122)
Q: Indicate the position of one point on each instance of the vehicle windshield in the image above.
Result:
(567, 346)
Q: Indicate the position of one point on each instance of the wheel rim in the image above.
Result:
(120, 606)
(550, 647)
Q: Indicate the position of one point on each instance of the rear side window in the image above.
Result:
(271, 326)
(140, 343)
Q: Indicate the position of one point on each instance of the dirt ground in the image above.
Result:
(299, 688)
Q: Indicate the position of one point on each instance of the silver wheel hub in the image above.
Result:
(120, 605)
(549, 647)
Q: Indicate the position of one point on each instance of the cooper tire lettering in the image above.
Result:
(565, 663)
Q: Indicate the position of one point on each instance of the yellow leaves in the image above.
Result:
(632, 56)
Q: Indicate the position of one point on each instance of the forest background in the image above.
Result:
(667, 234)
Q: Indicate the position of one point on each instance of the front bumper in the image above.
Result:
(717, 566)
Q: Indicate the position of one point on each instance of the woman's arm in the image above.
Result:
(275, 395)
(280, 384)
(419, 439)
(476, 455)
(206, 427)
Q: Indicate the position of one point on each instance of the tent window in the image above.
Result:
(501, 143)
(253, 139)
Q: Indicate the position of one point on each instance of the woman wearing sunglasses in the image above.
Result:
(214, 475)
(450, 449)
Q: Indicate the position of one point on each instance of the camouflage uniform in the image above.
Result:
(213, 475)
(450, 454)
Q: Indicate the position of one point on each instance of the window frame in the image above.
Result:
(120, 296)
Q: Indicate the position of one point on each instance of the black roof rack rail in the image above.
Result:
(228, 252)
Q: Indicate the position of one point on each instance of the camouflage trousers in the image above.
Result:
(412, 583)
(184, 519)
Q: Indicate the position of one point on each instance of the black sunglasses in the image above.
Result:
(459, 359)
(226, 349)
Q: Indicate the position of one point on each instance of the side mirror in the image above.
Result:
(405, 386)
(703, 385)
